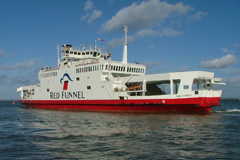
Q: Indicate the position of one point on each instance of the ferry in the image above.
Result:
(89, 80)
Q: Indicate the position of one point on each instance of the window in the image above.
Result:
(47, 89)
(77, 79)
(121, 97)
(161, 87)
(186, 87)
(176, 84)
(88, 87)
(83, 53)
(198, 84)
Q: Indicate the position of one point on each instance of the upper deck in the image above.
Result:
(76, 54)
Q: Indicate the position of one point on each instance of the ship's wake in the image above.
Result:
(235, 110)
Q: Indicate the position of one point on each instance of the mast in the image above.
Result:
(96, 42)
(124, 59)
(58, 59)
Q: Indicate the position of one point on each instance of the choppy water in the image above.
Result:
(43, 134)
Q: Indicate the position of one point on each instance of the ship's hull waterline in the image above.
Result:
(144, 106)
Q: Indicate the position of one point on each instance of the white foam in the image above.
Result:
(228, 111)
(233, 110)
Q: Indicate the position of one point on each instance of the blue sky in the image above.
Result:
(166, 36)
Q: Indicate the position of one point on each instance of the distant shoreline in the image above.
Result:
(8, 100)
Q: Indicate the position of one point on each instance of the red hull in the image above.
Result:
(143, 105)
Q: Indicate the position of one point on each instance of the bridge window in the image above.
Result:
(83, 53)
(176, 84)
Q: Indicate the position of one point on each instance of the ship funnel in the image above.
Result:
(124, 60)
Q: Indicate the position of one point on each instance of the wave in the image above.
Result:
(229, 111)
(233, 110)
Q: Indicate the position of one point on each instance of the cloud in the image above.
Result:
(90, 16)
(223, 62)
(144, 15)
(235, 45)
(84, 17)
(232, 81)
(118, 42)
(145, 32)
(21, 65)
(236, 71)
(232, 87)
(88, 5)
(4, 78)
(96, 14)
(170, 33)
(151, 64)
(181, 69)
(198, 16)
(21, 80)
(1, 52)
(227, 51)
(166, 33)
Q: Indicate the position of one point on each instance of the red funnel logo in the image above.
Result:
(65, 85)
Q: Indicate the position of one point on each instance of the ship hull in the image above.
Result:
(140, 105)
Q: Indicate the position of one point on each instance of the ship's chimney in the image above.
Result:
(124, 60)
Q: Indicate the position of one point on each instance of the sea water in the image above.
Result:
(47, 134)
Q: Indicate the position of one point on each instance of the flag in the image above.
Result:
(99, 39)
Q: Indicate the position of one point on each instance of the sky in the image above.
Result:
(166, 36)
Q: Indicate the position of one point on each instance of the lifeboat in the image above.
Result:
(134, 88)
